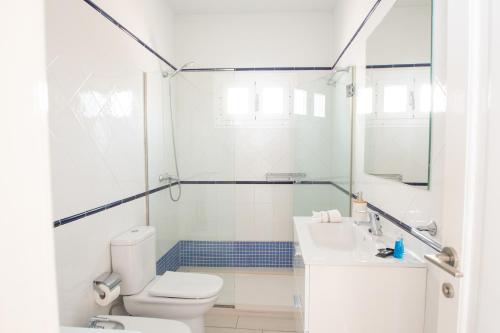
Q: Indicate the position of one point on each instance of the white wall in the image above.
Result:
(29, 299)
(255, 39)
(390, 44)
(95, 80)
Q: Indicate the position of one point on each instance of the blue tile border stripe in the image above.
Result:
(102, 208)
(226, 254)
(210, 69)
(128, 32)
(399, 66)
(356, 33)
(258, 69)
(170, 261)
(429, 242)
(99, 209)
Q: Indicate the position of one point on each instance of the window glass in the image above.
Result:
(395, 98)
(272, 100)
(300, 101)
(319, 105)
(237, 101)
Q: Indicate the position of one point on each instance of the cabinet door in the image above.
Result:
(366, 299)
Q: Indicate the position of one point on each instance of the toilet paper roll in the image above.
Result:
(109, 295)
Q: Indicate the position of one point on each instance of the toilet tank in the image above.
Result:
(133, 257)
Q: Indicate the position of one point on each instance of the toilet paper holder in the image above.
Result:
(109, 279)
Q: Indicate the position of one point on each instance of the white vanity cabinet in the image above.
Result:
(341, 289)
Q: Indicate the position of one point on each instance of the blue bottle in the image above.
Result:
(399, 248)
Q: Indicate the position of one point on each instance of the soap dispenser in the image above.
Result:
(360, 208)
(399, 248)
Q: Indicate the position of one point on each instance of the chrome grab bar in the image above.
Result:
(447, 260)
(285, 176)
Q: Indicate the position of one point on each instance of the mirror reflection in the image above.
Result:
(397, 96)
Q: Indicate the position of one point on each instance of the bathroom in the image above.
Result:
(236, 166)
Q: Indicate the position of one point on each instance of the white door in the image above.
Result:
(467, 188)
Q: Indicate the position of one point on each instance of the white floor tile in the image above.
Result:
(229, 330)
(221, 321)
(266, 323)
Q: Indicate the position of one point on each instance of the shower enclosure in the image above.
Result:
(253, 149)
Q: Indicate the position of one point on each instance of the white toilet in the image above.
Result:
(180, 296)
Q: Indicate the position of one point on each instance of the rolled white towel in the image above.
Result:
(334, 216)
(316, 216)
(321, 216)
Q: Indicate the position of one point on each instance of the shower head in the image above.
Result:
(187, 64)
(331, 81)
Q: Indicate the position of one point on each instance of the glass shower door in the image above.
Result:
(323, 144)
(197, 232)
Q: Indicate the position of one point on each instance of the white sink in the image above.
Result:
(345, 243)
(339, 236)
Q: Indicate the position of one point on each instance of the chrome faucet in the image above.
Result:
(98, 322)
(375, 226)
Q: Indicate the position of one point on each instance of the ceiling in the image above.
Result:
(248, 6)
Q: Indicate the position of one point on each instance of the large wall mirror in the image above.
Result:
(398, 94)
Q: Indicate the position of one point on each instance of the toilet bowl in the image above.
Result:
(174, 295)
(143, 325)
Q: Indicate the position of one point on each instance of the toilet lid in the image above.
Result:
(186, 285)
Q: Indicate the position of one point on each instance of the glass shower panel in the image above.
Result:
(197, 232)
(323, 140)
(206, 160)
(235, 132)
(162, 212)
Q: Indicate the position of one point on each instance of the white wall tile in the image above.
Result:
(95, 82)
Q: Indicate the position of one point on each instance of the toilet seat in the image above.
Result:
(148, 325)
(185, 286)
(187, 310)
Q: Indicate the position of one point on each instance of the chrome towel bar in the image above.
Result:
(285, 176)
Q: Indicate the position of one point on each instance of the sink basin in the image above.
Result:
(345, 243)
(340, 236)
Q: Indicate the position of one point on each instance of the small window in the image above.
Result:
(300, 101)
(395, 98)
(237, 101)
(319, 105)
(273, 100)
